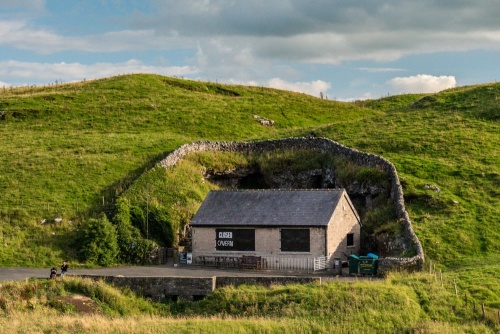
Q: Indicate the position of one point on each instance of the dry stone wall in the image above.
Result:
(414, 262)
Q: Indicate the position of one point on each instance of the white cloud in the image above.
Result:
(39, 73)
(326, 32)
(19, 34)
(331, 32)
(422, 83)
(312, 88)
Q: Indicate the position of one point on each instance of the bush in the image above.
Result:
(99, 241)
(160, 226)
(133, 248)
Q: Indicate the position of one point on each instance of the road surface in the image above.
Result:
(19, 274)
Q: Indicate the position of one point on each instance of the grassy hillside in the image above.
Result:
(72, 144)
(445, 146)
(419, 303)
(69, 151)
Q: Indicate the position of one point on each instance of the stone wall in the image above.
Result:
(163, 288)
(325, 145)
(267, 243)
(189, 288)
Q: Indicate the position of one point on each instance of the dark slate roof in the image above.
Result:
(268, 208)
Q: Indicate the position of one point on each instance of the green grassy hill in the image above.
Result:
(69, 151)
(421, 303)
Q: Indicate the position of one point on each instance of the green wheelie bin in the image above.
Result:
(368, 264)
(353, 264)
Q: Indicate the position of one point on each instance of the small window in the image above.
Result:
(350, 239)
(295, 240)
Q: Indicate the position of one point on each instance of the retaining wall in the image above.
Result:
(325, 145)
(189, 288)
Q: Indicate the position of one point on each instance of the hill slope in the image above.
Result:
(70, 150)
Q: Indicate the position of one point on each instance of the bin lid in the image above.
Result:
(374, 256)
(354, 256)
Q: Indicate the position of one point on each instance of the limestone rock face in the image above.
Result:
(287, 179)
(389, 244)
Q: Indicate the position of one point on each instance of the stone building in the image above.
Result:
(282, 224)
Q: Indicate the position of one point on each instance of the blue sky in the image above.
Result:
(346, 49)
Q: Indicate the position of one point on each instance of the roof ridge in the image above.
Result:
(281, 189)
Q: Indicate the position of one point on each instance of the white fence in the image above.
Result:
(295, 263)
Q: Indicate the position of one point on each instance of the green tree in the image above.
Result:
(133, 247)
(99, 241)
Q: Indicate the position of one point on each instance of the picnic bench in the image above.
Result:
(250, 262)
(219, 261)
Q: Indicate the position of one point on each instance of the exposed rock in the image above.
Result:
(432, 187)
(302, 180)
(364, 189)
(388, 244)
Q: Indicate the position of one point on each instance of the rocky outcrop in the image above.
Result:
(389, 243)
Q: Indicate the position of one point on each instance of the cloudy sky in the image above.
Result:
(347, 49)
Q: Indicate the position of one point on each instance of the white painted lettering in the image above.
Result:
(225, 235)
(224, 243)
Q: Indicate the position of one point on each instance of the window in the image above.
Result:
(295, 240)
(235, 240)
(350, 239)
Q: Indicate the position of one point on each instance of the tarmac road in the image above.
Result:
(19, 274)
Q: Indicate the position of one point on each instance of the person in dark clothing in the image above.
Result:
(53, 273)
(64, 268)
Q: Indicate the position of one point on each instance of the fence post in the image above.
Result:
(482, 308)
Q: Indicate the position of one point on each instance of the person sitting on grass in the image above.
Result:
(53, 273)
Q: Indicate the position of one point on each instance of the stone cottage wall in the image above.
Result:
(325, 145)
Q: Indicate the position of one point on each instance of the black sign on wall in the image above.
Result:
(235, 240)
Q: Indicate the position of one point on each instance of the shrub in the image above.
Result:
(99, 241)
(133, 248)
